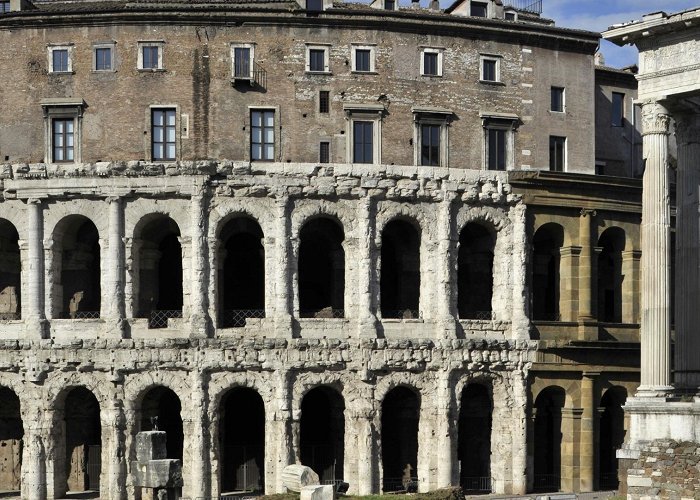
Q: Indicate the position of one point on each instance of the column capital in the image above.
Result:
(34, 201)
(588, 212)
(113, 199)
(655, 119)
(687, 128)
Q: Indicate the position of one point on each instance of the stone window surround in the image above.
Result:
(431, 116)
(490, 57)
(326, 58)
(242, 45)
(60, 46)
(432, 50)
(365, 112)
(112, 45)
(372, 56)
(161, 54)
(277, 131)
(148, 144)
(63, 108)
(501, 121)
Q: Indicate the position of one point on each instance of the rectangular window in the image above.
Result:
(557, 103)
(489, 70)
(324, 98)
(62, 139)
(362, 136)
(430, 145)
(151, 57)
(497, 149)
(103, 58)
(618, 109)
(430, 63)
(362, 60)
(324, 152)
(314, 5)
(389, 5)
(262, 135)
(60, 60)
(317, 60)
(163, 134)
(479, 9)
(241, 62)
(4, 7)
(510, 16)
(557, 154)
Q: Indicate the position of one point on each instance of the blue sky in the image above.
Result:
(598, 15)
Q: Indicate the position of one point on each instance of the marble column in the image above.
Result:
(656, 275)
(35, 277)
(586, 277)
(113, 309)
(367, 320)
(283, 282)
(587, 443)
(686, 357)
(199, 277)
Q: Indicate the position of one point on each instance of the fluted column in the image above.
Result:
(283, 282)
(586, 278)
(367, 320)
(35, 277)
(656, 276)
(687, 351)
(113, 309)
(199, 277)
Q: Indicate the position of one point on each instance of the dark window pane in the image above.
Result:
(150, 57)
(489, 73)
(317, 60)
(262, 135)
(163, 135)
(618, 109)
(510, 16)
(60, 60)
(241, 62)
(314, 5)
(324, 153)
(4, 7)
(497, 149)
(324, 101)
(430, 145)
(557, 153)
(362, 60)
(479, 9)
(103, 58)
(362, 142)
(389, 4)
(430, 63)
(63, 146)
(557, 99)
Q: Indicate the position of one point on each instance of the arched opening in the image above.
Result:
(160, 410)
(547, 243)
(11, 434)
(548, 438)
(241, 272)
(77, 248)
(10, 272)
(612, 436)
(400, 271)
(160, 271)
(321, 269)
(474, 446)
(400, 416)
(322, 433)
(242, 438)
(83, 440)
(475, 272)
(611, 244)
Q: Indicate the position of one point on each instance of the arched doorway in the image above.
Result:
(612, 244)
(321, 269)
(548, 438)
(11, 434)
(83, 440)
(322, 433)
(475, 272)
(400, 417)
(474, 447)
(241, 272)
(242, 441)
(547, 244)
(10, 272)
(160, 410)
(400, 271)
(612, 436)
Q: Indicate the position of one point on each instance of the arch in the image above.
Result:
(161, 409)
(612, 436)
(242, 441)
(399, 438)
(475, 271)
(11, 441)
(83, 440)
(76, 254)
(10, 272)
(241, 271)
(322, 433)
(159, 262)
(610, 278)
(321, 268)
(548, 438)
(474, 444)
(545, 293)
(400, 270)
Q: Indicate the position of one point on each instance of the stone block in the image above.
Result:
(317, 492)
(642, 482)
(150, 445)
(296, 476)
(165, 473)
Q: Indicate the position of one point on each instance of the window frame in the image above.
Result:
(66, 109)
(433, 117)
(176, 111)
(251, 60)
(507, 123)
(483, 58)
(621, 122)
(562, 91)
(555, 140)
(371, 48)
(326, 58)
(160, 45)
(512, 13)
(65, 149)
(364, 113)
(321, 93)
(68, 48)
(99, 46)
(480, 3)
(275, 134)
(320, 150)
(385, 2)
(6, 7)
(432, 50)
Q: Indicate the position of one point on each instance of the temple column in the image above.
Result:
(656, 275)
(367, 320)
(587, 328)
(35, 278)
(199, 277)
(687, 361)
(587, 444)
(113, 309)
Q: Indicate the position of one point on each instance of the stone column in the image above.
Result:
(35, 277)
(199, 277)
(283, 282)
(197, 483)
(568, 283)
(656, 276)
(367, 320)
(446, 305)
(446, 449)
(279, 450)
(113, 308)
(687, 362)
(630, 286)
(520, 318)
(33, 458)
(366, 452)
(113, 451)
(586, 278)
(587, 445)
(570, 430)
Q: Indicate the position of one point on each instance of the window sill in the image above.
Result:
(151, 70)
(431, 76)
(103, 71)
(318, 72)
(355, 72)
(492, 82)
(557, 113)
(60, 73)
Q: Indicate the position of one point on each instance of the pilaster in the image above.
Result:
(197, 482)
(587, 446)
(199, 276)
(446, 308)
(35, 285)
(113, 308)
(587, 328)
(569, 283)
(446, 449)
(283, 284)
(367, 319)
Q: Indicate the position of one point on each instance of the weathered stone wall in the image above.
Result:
(665, 470)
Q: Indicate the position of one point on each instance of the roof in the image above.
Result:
(655, 23)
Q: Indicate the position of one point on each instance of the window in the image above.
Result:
(430, 136)
(431, 62)
(4, 7)
(362, 146)
(63, 140)
(389, 5)
(430, 145)
(324, 152)
(618, 109)
(103, 57)
(60, 60)
(490, 69)
(163, 134)
(557, 103)
(317, 59)
(511, 16)
(499, 140)
(262, 134)
(150, 56)
(62, 129)
(314, 5)
(557, 154)
(242, 61)
(324, 97)
(363, 59)
(479, 9)
(365, 132)
(496, 149)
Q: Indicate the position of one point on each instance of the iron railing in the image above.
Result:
(259, 75)
(159, 319)
(323, 313)
(236, 318)
(10, 316)
(80, 315)
(534, 6)
(546, 482)
(475, 484)
(478, 315)
(401, 314)
(395, 484)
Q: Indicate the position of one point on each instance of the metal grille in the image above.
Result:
(94, 466)
(81, 315)
(477, 484)
(401, 314)
(480, 315)
(9, 316)
(525, 5)
(394, 484)
(547, 482)
(235, 318)
(259, 75)
(159, 319)
(323, 313)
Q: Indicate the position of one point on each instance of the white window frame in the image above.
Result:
(161, 53)
(68, 47)
(326, 57)
(366, 113)
(431, 116)
(372, 50)
(565, 155)
(490, 57)
(277, 153)
(63, 108)
(431, 50)
(563, 98)
(499, 121)
(103, 45)
(251, 47)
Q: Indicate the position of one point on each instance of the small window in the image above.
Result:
(511, 16)
(314, 5)
(324, 97)
(242, 60)
(431, 62)
(479, 9)
(618, 109)
(490, 69)
(317, 59)
(557, 154)
(262, 134)
(557, 103)
(430, 145)
(4, 7)
(163, 135)
(62, 131)
(103, 57)
(363, 58)
(150, 56)
(60, 59)
(363, 145)
(389, 5)
(496, 148)
(324, 152)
